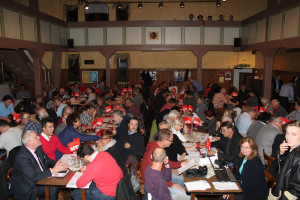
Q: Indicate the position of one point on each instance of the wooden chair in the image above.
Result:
(4, 155)
(9, 174)
(268, 160)
(271, 181)
(139, 173)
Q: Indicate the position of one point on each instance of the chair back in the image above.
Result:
(268, 160)
(271, 181)
(139, 173)
(9, 174)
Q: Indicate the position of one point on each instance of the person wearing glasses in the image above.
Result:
(288, 177)
(266, 135)
(228, 145)
(106, 141)
(250, 173)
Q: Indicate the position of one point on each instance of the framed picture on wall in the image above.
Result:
(227, 76)
(89, 76)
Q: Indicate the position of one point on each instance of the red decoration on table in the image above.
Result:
(187, 120)
(73, 146)
(208, 144)
(16, 117)
(107, 108)
(190, 108)
(184, 108)
(174, 90)
(234, 94)
(76, 94)
(70, 176)
(196, 121)
(284, 120)
(122, 93)
(72, 94)
(99, 122)
(124, 89)
(129, 89)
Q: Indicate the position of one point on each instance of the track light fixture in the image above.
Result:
(182, 5)
(160, 5)
(119, 5)
(218, 4)
(223, 0)
(140, 5)
(86, 7)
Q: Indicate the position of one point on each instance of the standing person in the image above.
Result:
(155, 178)
(259, 86)
(243, 94)
(288, 179)
(276, 86)
(102, 170)
(286, 94)
(31, 165)
(251, 172)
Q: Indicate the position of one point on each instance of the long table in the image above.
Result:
(212, 191)
(58, 183)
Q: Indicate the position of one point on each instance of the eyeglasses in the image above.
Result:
(246, 148)
(170, 140)
(224, 130)
(180, 125)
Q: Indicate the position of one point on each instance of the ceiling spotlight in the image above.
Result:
(224, 0)
(119, 5)
(182, 5)
(86, 7)
(160, 5)
(218, 4)
(140, 5)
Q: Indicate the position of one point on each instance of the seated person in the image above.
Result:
(106, 141)
(134, 141)
(165, 139)
(59, 106)
(29, 124)
(62, 124)
(87, 115)
(155, 178)
(252, 101)
(288, 180)
(102, 170)
(22, 93)
(201, 108)
(251, 172)
(245, 119)
(31, 165)
(121, 129)
(229, 144)
(262, 120)
(132, 108)
(70, 132)
(50, 142)
(6, 108)
(295, 115)
(210, 127)
(10, 137)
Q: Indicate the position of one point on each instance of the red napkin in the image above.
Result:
(70, 176)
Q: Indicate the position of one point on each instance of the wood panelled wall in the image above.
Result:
(208, 75)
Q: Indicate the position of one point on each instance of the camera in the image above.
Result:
(200, 172)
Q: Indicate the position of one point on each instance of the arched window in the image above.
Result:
(97, 11)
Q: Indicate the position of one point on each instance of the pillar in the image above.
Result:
(268, 67)
(199, 54)
(38, 75)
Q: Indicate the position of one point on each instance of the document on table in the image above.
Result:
(186, 167)
(205, 161)
(59, 174)
(225, 186)
(188, 144)
(197, 185)
(72, 182)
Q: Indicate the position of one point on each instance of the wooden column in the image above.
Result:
(268, 67)
(56, 68)
(107, 54)
(38, 75)
(199, 54)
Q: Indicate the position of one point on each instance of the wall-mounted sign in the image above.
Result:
(89, 76)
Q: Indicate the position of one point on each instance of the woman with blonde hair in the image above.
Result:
(251, 172)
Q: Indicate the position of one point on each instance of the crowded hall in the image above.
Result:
(149, 100)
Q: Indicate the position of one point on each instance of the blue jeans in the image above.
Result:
(93, 193)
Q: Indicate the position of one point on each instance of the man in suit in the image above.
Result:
(31, 165)
(122, 120)
(276, 86)
(266, 135)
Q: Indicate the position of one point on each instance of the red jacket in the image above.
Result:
(147, 161)
(50, 146)
(104, 171)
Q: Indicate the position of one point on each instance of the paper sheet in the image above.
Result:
(197, 185)
(72, 182)
(59, 174)
(225, 186)
(205, 161)
(186, 167)
(188, 144)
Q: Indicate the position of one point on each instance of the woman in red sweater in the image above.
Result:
(102, 170)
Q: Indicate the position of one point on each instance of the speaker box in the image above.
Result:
(237, 42)
(70, 43)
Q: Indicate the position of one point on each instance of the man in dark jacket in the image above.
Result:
(229, 144)
(30, 166)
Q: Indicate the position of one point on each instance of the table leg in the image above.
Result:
(193, 195)
(83, 194)
(231, 196)
(47, 192)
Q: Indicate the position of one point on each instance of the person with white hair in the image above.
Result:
(266, 103)
(31, 165)
(277, 109)
(173, 114)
